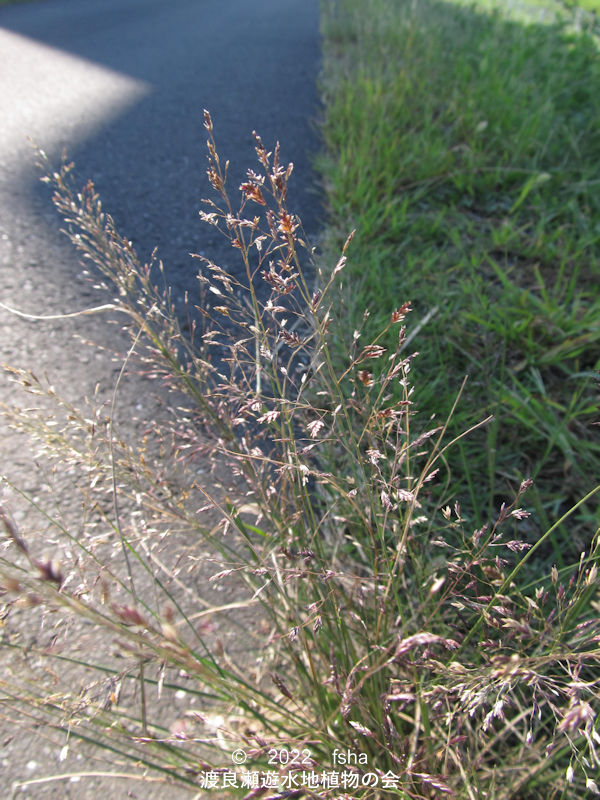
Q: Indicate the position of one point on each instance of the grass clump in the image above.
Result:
(396, 634)
(463, 145)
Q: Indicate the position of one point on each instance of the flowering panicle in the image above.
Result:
(382, 617)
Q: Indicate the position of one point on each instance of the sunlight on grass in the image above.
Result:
(464, 147)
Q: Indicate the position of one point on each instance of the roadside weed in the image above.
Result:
(380, 623)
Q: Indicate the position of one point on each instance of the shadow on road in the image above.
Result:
(253, 65)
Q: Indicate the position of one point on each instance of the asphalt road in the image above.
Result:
(122, 84)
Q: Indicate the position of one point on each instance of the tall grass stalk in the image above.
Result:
(387, 629)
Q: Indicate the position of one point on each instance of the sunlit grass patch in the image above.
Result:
(464, 147)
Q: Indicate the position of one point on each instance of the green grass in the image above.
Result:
(588, 5)
(463, 145)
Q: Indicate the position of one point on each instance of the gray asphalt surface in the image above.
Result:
(122, 85)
